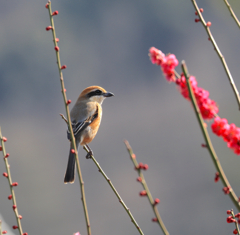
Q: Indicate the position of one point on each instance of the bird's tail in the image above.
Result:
(70, 172)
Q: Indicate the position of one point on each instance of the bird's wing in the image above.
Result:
(82, 125)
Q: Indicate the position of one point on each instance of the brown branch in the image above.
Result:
(221, 57)
(68, 120)
(208, 142)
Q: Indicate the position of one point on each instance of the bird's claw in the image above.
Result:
(89, 154)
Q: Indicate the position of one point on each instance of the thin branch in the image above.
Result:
(208, 142)
(11, 184)
(64, 118)
(66, 102)
(236, 221)
(232, 13)
(115, 191)
(224, 63)
(144, 184)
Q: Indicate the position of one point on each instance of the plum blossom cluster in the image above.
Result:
(208, 107)
(166, 62)
(233, 219)
(229, 132)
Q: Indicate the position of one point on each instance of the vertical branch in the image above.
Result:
(11, 184)
(144, 184)
(207, 139)
(232, 13)
(221, 57)
(66, 103)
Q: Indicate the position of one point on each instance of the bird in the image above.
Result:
(86, 117)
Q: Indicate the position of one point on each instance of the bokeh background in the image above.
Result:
(106, 43)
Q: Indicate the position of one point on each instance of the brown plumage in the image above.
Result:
(86, 117)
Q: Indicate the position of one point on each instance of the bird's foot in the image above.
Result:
(89, 154)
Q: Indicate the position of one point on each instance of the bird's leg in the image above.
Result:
(90, 152)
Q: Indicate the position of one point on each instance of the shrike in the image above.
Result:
(86, 117)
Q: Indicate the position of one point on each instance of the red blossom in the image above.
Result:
(14, 207)
(133, 156)
(69, 102)
(55, 13)
(219, 126)
(235, 231)
(139, 179)
(57, 39)
(0, 148)
(156, 56)
(167, 63)
(4, 139)
(4, 232)
(47, 5)
(207, 106)
(140, 165)
(14, 226)
(230, 219)
(229, 212)
(48, 28)
(15, 184)
(237, 215)
(25, 234)
(197, 20)
(64, 67)
(168, 67)
(217, 177)
(145, 167)
(56, 48)
(208, 24)
(10, 197)
(156, 201)
(154, 219)
(20, 217)
(72, 151)
(226, 190)
(201, 10)
(5, 174)
(7, 155)
(143, 193)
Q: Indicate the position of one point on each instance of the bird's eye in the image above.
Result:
(98, 92)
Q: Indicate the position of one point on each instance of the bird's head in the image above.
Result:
(95, 93)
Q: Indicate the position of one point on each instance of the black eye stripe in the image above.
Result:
(94, 93)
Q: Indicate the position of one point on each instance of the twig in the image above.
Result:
(144, 184)
(66, 102)
(232, 13)
(236, 222)
(224, 63)
(63, 118)
(208, 142)
(11, 184)
(115, 191)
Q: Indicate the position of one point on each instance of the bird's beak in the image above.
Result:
(108, 94)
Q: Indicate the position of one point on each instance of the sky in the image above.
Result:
(106, 43)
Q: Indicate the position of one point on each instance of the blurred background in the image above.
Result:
(106, 43)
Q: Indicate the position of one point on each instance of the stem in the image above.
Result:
(224, 63)
(144, 184)
(236, 223)
(69, 123)
(10, 184)
(115, 191)
(232, 13)
(208, 142)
